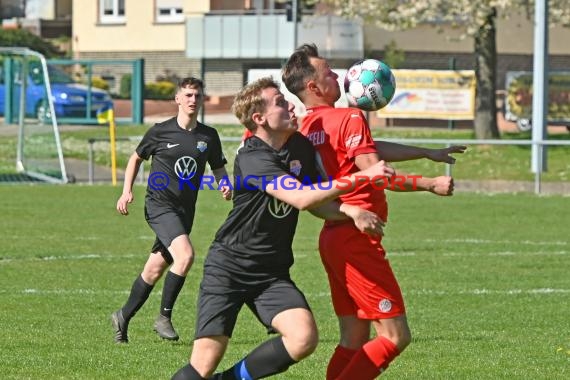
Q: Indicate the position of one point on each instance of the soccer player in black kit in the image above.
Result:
(249, 260)
(180, 148)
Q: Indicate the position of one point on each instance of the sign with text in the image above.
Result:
(432, 94)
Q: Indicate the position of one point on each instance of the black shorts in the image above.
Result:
(167, 223)
(221, 299)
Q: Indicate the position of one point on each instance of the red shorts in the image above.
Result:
(361, 280)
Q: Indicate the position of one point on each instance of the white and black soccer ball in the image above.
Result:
(369, 85)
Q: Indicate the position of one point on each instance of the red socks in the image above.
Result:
(370, 361)
(339, 361)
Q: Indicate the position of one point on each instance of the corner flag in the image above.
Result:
(106, 115)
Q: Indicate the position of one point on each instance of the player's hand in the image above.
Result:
(226, 192)
(378, 170)
(123, 201)
(442, 185)
(366, 221)
(443, 155)
(369, 223)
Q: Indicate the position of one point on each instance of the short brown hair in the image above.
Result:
(249, 101)
(191, 82)
(298, 68)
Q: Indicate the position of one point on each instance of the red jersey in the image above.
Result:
(339, 135)
(246, 134)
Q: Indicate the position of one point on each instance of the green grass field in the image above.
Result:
(485, 277)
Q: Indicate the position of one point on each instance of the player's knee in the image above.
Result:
(396, 330)
(310, 342)
(184, 262)
(151, 276)
(401, 337)
(151, 273)
(354, 333)
(302, 344)
(405, 339)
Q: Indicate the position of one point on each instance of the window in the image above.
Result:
(169, 11)
(112, 11)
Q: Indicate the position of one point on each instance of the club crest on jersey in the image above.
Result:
(202, 146)
(352, 141)
(295, 167)
(385, 305)
(278, 208)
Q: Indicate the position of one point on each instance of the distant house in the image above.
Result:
(46, 18)
(12, 9)
(221, 40)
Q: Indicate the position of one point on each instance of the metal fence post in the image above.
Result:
(90, 169)
(448, 166)
(537, 173)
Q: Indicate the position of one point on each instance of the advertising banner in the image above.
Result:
(432, 94)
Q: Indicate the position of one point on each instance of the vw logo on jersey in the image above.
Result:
(278, 209)
(202, 146)
(185, 167)
(295, 167)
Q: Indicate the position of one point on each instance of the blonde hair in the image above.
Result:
(249, 101)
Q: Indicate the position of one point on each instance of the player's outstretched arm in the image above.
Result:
(403, 182)
(303, 197)
(394, 152)
(130, 174)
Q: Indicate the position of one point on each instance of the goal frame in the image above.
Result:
(25, 54)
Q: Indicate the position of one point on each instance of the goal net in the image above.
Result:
(24, 88)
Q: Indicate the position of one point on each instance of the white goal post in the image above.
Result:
(39, 151)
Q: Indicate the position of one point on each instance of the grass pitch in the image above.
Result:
(485, 278)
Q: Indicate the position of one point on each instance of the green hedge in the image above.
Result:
(125, 86)
(23, 38)
(160, 90)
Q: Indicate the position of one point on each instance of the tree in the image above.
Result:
(475, 17)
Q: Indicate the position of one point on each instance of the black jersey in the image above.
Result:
(179, 159)
(254, 243)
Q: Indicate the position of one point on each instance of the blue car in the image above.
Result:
(70, 99)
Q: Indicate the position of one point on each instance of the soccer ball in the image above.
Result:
(369, 85)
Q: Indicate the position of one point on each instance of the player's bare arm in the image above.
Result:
(304, 197)
(394, 152)
(404, 182)
(130, 175)
(364, 161)
(366, 221)
(442, 185)
(221, 176)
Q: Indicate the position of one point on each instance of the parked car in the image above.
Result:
(70, 99)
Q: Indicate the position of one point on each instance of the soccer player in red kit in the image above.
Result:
(364, 288)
